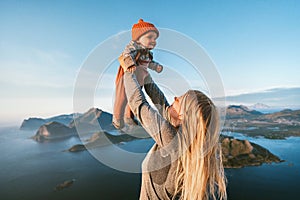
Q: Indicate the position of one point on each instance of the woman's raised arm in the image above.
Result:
(156, 125)
(156, 95)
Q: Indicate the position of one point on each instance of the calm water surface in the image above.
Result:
(31, 170)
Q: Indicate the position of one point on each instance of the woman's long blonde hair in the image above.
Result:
(200, 173)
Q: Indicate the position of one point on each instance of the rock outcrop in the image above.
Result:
(53, 131)
(241, 153)
(64, 185)
(77, 147)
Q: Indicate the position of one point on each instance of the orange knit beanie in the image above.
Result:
(141, 28)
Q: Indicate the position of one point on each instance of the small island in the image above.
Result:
(241, 153)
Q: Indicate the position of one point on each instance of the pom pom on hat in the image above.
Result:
(141, 28)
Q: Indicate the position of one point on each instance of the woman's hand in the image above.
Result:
(131, 69)
(127, 63)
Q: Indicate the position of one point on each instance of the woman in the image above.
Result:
(186, 161)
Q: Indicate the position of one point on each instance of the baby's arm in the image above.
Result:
(155, 65)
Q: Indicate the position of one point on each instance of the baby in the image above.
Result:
(136, 58)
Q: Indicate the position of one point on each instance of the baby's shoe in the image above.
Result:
(118, 124)
(130, 121)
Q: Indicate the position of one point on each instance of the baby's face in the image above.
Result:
(148, 40)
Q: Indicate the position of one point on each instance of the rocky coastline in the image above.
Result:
(236, 153)
(241, 153)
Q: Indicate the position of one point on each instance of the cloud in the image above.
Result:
(274, 97)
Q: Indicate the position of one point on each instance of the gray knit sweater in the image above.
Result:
(159, 166)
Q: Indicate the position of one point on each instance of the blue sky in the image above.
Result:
(254, 44)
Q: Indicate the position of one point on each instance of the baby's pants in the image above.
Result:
(121, 107)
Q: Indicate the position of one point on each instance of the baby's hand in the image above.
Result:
(131, 69)
(159, 68)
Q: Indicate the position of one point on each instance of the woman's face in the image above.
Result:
(177, 105)
(148, 40)
(175, 111)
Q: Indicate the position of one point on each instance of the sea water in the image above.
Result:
(32, 170)
(269, 181)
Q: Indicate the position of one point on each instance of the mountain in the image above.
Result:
(53, 131)
(35, 123)
(32, 123)
(93, 120)
(239, 118)
(234, 111)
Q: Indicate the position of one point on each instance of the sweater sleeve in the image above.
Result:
(157, 126)
(153, 64)
(157, 96)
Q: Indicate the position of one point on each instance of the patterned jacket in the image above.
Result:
(135, 54)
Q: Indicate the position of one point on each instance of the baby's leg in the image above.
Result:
(119, 104)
